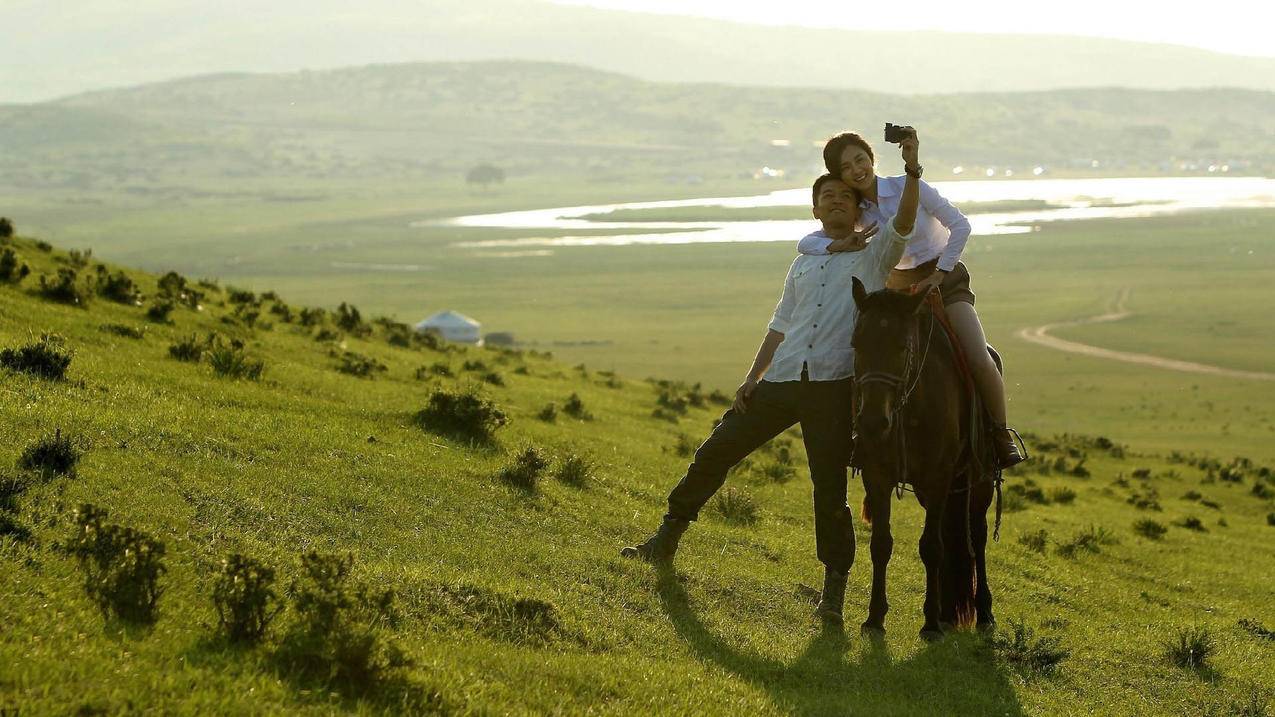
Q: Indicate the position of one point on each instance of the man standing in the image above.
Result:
(803, 373)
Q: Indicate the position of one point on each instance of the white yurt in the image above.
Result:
(453, 326)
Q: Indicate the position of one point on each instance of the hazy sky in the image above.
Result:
(1241, 27)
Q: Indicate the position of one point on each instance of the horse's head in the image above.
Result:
(885, 340)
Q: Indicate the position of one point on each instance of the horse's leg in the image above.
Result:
(978, 532)
(877, 494)
(932, 557)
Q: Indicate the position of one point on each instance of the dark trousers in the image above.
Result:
(825, 411)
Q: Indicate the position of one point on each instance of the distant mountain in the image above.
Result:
(55, 49)
(438, 119)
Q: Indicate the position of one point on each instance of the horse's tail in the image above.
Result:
(866, 511)
(959, 572)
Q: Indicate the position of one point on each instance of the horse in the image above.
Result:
(918, 423)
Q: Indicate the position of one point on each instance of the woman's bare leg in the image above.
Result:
(991, 387)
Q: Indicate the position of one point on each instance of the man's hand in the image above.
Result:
(857, 241)
(929, 283)
(911, 149)
(743, 393)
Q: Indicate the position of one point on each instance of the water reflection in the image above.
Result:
(1072, 199)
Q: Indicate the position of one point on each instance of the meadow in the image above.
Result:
(1134, 527)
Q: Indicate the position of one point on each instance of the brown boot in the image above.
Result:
(1007, 453)
(833, 597)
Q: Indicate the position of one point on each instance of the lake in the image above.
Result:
(1072, 199)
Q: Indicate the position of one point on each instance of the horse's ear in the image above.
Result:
(860, 293)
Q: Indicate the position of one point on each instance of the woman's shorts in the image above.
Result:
(955, 286)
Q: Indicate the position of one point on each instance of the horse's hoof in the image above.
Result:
(931, 634)
(830, 618)
(987, 626)
(872, 631)
(630, 552)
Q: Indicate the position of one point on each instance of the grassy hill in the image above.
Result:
(509, 594)
(149, 40)
(314, 136)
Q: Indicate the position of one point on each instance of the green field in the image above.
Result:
(514, 601)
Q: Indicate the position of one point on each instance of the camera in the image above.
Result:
(897, 133)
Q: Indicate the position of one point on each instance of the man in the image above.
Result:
(803, 373)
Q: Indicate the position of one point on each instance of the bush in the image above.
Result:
(549, 413)
(1088, 540)
(1034, 541)
(1026, 653)
(1147, 499)
(44, 359)
(6, 227)
(340, 634)
(1261, 491)
(123, 331)
(1028, 491)
(64, 288)
(574, 470)
(312, 317)
(349, 320)
(230, 361)
(117, 287)
(683, 447)
(1150, 529)
(574, 407)
(51, 455)
(1062, 496)
(188, 349)
(1270, 519)
(241, 296)
(779, 472)
(79, 258)
(12, 268)
(122, 566)
(1192, 523)
(464, 415)
(525, 469)
(175, 288)
(736, 506)
(1190, 648)
(159, 311)
(244, 599)
(359, 365)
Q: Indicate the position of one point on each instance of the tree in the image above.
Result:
(485, 174)
(6, 225)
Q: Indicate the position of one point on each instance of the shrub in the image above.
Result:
(494, 378)
(683, 446)
(1211, 504)
(79, 258)
(549, 413)
(1026, 653)
(1063, 496)
(525, 469)
(736, 506)
(574, 470)
(12, 268)
(122, 565)
(778, 472)
(349, 320)
(244, 599)
(1270, 519)
(312, 317)
(42, 245)
(1256, 629)
(340, 634)
(1192, 523)
(241, 296)
(6, 227)
(1146, 499)
(1190, 648)
(474, 365)
(1034, 541)
(188, 349)
(1261, 491)
(174, 287)
(64, 288)
(718, 398)
(51, 455)
(359, 365)
(1150, 529)
(441, 369)
(44, 359)
(461, 415)
(1143, 473)
(228, 360)
(159, 311)
(117, 287)
(574, 407)
(1028, 491)
(1088, 540)
(1191, 495)
(397, 334)
(326, 334)
(123, 331)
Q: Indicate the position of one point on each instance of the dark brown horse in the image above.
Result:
(915, 420)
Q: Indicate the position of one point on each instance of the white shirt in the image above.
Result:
(941, 230)
(816, 313)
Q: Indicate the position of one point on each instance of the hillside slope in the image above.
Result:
(512, 599)
(150, 40)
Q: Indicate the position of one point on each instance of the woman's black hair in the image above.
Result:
(836, 146)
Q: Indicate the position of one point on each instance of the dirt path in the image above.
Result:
(1040, 335)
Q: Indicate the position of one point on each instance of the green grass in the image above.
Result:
(513, 601)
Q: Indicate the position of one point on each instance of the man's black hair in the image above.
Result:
(814, 190)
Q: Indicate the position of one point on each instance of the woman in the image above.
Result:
(931, 259)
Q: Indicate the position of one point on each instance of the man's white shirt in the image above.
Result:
(817, 313)
(941, 230)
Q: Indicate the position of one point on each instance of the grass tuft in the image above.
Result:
(1035, 541)
(574, 470)
(1062, 496)
(46, 358)
(1150, 529)
(1026, 653)
(464, 415)
(525, 469)
(124, 331)
(121, 566)
(229, 360)
(1190, 648)
(51, 455)
(1087, 540)
(574, 407)
(64, 288)
(736, 506)
(548, 414)
(359, 365)
(1192, 523)
(245, 599)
